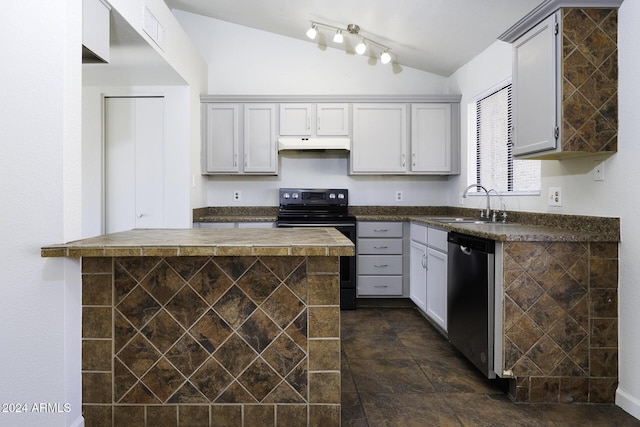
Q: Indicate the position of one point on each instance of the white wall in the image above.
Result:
(244, 61)
(40, 188)
(581, 194)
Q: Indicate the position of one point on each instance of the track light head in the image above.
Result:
(338, 38)
(312, 32)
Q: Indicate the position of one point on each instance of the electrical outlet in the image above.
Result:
(555, 196)
(237, 196)
(598, 170)
(398, 196)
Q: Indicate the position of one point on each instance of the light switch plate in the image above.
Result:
(555, 196)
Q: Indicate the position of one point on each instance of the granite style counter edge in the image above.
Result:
(208, 242)
(522, 226)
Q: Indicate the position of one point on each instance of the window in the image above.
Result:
(495, 167)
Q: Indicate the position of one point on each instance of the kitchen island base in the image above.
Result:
(210, 341)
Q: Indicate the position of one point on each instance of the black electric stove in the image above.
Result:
(305, 207)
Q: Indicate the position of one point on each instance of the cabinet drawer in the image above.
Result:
(379, 264)
(438, 239)
(380, 285)
(380, 246)
(379, 229)
(418, 233)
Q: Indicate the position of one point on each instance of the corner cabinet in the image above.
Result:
(565, 84)
(239, 139)
(401, 139)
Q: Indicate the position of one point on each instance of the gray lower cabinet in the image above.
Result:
(428, 272)
(379, 259)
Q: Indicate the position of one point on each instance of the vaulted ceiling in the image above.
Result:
(436, 36)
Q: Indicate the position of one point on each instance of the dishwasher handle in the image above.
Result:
(472, 242)
(465, 250)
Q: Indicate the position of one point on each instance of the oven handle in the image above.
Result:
(335, 224)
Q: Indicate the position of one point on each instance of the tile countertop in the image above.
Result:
(522, 226)
(208, 242)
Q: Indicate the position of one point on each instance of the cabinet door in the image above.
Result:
(221, 135)
(436, 307)
(260, 154)
(535, 88)
(296, 119)
(332, 119)
(379, 138)
(418, 275)
(431, 138)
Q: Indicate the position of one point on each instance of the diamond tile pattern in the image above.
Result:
(210, 330)
(559, 321)
(590, 80)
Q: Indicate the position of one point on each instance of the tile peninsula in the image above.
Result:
(210, 326)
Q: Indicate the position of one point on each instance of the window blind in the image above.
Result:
(495, 166)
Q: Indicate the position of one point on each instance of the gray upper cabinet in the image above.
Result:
(308, 119)
(565, 81)
(379, 143)
(239, 138)
(535, 85)
(394, 138)
(433, 146)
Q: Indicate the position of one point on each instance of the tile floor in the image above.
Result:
(397, 370)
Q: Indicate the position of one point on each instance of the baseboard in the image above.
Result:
(627, 402)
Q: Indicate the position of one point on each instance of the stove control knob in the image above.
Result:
(285, 196)
(294, 195)
(340, 196)
(332, 195)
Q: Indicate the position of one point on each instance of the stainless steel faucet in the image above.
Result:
(466, 190)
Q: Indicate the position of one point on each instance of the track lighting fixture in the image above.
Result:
(352, 31)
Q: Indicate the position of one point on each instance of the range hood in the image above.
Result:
(314, 143)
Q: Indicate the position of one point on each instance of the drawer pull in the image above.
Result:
(380, 247)
(381, 286)
(381, 265)
(381, 230)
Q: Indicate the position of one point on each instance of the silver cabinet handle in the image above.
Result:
(380, 247)
(380, 230)
(381, 265)
(381, 286)
(424, 261)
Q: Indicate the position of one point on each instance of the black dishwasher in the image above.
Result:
(470, 298)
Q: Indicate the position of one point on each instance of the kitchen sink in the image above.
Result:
(464, 220)
(460, 220)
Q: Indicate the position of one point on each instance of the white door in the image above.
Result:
(134, 140)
